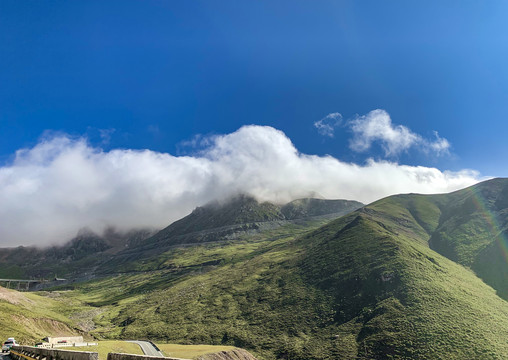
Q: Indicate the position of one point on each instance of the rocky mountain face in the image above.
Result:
(235, 354)
(240, 214)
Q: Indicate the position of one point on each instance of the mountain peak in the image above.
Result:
(244, 211)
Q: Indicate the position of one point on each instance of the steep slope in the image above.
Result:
(473, 231)
(241, 209)
(469, 226)
(29, 317)
(396, 297)
(366, 285)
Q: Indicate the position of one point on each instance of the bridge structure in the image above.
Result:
(21, 284)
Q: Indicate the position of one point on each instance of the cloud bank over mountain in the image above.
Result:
(62, 184)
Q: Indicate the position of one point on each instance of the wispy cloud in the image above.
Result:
(105, 135)
(326, 126)
(440, 145)
(62, 184)
(376, 126)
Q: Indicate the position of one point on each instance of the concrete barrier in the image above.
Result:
(117, 356)
(35, 353)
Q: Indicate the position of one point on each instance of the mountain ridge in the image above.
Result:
(215, 221)
(243, 213)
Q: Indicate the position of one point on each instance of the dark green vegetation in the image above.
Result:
(400, 278)
(469, 226)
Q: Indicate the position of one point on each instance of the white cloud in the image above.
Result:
(62, 184)
(377, 126)
(326, 126)
(440, 145)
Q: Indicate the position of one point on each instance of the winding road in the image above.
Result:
(147, 347)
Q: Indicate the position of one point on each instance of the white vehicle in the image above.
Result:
(6, 346)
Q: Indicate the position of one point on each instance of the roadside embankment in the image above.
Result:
(235, 354)
(116, 356)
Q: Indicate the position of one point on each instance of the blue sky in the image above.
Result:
(159, 72)
(155, 74)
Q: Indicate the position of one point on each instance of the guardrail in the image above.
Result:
(34, 353)
(117, 356)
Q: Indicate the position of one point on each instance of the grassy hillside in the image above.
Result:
(474, 232)
(469, 226)
(366, 285)
(396, 297)
(393, 280)
(127, 305)
(29, 317)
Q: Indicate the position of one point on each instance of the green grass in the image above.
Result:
(469, 226)
(190, 351)
(29, 317)
(111, 346)
(431, 307)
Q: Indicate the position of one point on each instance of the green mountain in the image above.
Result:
(369, 285)
(407, 277)
(469, 226)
